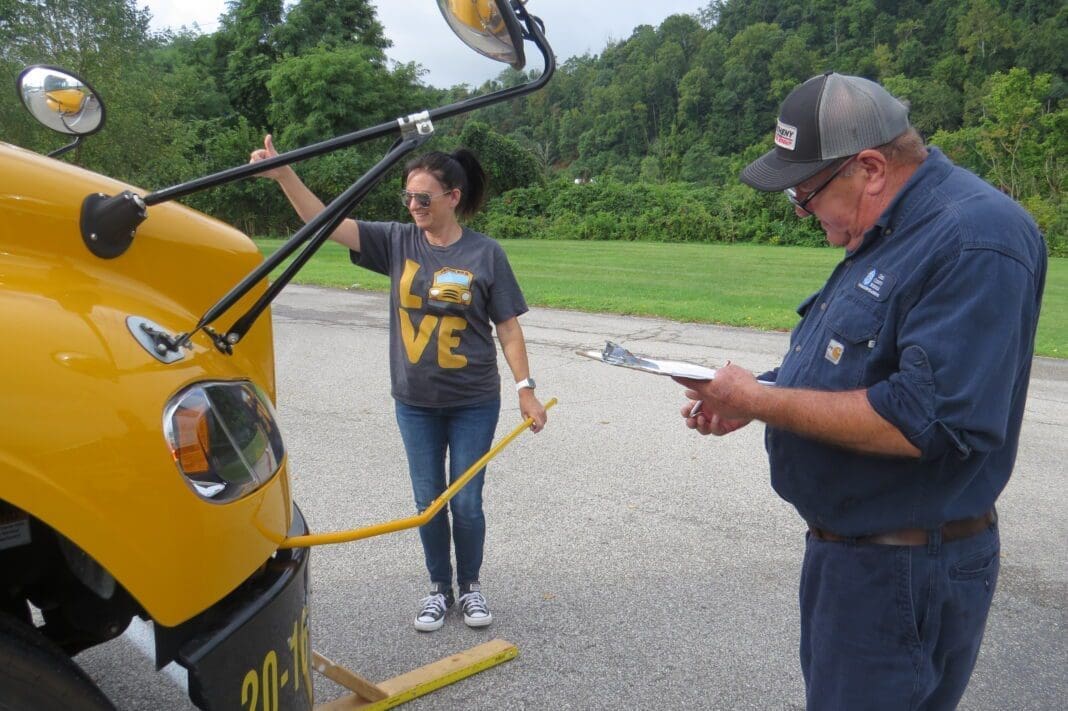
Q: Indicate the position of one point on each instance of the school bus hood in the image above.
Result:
(82, 445)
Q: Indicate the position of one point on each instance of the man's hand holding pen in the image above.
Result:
(718, 406)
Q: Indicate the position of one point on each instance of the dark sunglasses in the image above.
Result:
(421, 199)
(791, 193)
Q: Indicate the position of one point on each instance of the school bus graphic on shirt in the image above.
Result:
(451, 285)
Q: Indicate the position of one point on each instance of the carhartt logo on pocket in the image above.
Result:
(834, 351)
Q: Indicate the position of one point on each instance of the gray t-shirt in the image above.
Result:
(442, 301)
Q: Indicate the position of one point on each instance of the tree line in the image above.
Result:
(641, 141)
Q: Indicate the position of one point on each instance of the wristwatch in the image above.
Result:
(524, 383)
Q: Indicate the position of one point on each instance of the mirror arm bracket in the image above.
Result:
(416, 125)
(69, 147)
(223, 343)
(108, 224)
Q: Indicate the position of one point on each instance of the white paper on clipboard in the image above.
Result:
(614, 354)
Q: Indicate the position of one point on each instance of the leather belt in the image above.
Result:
(952, 531)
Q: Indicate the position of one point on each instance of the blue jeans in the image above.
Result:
(894, 627)
(466, 433)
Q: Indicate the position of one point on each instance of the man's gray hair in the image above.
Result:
(906, 149)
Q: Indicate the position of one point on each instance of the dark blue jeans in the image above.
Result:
(465, 433)
(894, 627)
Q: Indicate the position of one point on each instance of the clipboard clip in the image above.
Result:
(618, 355)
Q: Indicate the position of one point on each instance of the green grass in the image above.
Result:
(738, 285)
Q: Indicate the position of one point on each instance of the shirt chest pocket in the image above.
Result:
(850, 334)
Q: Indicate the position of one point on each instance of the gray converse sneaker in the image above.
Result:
(432, 615)
(476, 614)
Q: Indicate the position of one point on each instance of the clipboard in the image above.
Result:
(615, 354)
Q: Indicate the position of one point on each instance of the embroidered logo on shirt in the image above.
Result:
(876, 283)
(834, 351)
(785, 136)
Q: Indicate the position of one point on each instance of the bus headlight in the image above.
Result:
(224, 438)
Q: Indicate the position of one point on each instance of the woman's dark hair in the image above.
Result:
(459, 169)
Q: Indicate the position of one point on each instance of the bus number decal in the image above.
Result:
(268, 682)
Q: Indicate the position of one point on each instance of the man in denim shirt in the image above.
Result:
(895, 416)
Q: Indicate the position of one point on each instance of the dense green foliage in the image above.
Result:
(691, 100)
(641, 142)
(661, 212)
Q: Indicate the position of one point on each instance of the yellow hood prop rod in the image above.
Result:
(355, 534)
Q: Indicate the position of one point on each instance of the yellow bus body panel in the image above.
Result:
(81, 443)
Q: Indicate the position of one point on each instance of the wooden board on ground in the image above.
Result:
(417, 682)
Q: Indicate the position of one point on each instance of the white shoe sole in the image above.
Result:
(478, 621)
(428, 626)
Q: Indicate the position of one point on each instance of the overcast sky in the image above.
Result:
(419, 33)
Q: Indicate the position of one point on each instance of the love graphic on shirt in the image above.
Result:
(416, 339)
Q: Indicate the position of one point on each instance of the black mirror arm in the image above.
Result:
(333, 144)
(415, 129)
(534, 33)
(287, 158)
(108, 226)
(312, 236)
(69, 147)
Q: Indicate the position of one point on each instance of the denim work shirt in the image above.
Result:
(935, 316)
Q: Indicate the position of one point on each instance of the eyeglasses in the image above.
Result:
(791, 193)
(421, 199)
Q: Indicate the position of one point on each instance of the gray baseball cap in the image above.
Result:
(828, 117)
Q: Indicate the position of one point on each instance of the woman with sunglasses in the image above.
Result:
(449, 287)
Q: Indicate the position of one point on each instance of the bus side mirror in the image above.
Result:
(490, 27)
(60, 100)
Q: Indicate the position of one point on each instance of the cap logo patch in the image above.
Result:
(785, 136)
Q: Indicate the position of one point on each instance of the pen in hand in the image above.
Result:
(696, 409)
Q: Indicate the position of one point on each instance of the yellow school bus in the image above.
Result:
(142, 472)
(132, 484)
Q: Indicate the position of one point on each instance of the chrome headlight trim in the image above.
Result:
(224, 438)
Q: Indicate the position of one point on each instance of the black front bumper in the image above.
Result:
(251, 650)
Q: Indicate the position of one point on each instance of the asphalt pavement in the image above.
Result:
(634, 563)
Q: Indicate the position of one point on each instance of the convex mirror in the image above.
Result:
(489, 27)
(60, 100)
